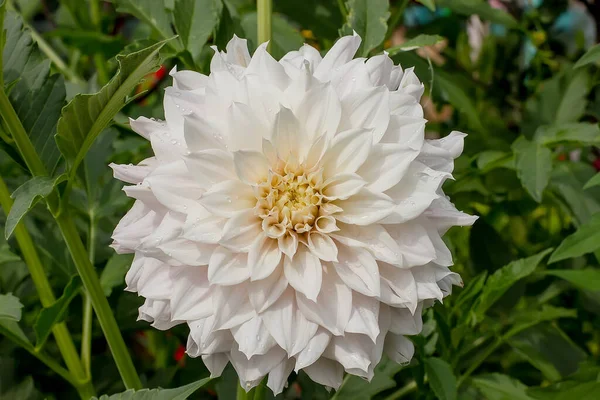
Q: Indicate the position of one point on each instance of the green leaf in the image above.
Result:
(428, 3)
(37, 96)
(591, 56)
(90, 42)
(594, 181)
(415, 43)
(154, 14)
(585, 240)
(573, 100)
(549, 350)
(369, 19)
(567, 180)
(10, 307)
(567, 391)
(586, 279)
(180, 393)
(583, 132)
(441, 378)
(7, 256)
(500, 387)
(481, 8)
(285, 36)
(114, 272)
(355, 388)
(195, 21)
(534, 166)
(529, 317)
(49, 316)
(26, 196)
(87, 115)
(502, 280)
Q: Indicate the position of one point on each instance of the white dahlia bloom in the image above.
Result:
(292, 213)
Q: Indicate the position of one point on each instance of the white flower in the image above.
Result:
(292, 213)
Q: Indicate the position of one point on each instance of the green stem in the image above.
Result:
(483, 356)
(102, 309)
(343, 9)
(99, 59)
(38, 276)
(76, 248)
(54, 57)
(264, 9)
(403, 391)
(86, 334)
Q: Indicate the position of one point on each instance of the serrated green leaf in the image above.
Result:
(502, 280)
(26, 196)
(49, 316)
(481, 8)
(114, 272)
(573, 101)
(594, 181)
(441, 378)
(369, 19)
(87, 115)
(567, 180)
(583, 132)
(355, 388)
(10, 315)
(37, 96)
(285, 36)
(195, 21)
(586, 279)
(7, 256)
(585, 240)
(591, 56)
(180, 393)
(416, 43)
(534, 166)
(500, 387)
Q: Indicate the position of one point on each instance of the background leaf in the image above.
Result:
(586, 279)
(180, 393)
(534, 165)
(369, 19)
(195, 21)
(585, 240)
(441, 378)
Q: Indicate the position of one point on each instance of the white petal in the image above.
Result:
(326, 372)
(403, 322)
(313, 350)
(364, 317)
(304, 272)
(245, 129)
(285, 134)
(371, 237)
(368, 109)
(133, 173)
(358, 269)
(203, 339)
(352, 351)
(386, 165)
(399, 349)
(226, 198)
(347, 152)
(279, 375)
(380, 68)
(211, 166)
(288, 243)
(342, 186)
(237, 51)
(398, 287)
(263, 293)
(240, 231)
(191, 295)
(253, 337)
(251, 166)
(265, 66)
(187, 252)
(322, 246)
(145, 126)
(251, 371)
(333, 306)
(215, 363)
(365, 208)
(233, 305)
(263, 257)
(319, 113)
(444, 215)
(341, 52)
(202, 134)
(415, 245)
(228, 268)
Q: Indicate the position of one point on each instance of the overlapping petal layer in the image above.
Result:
(292, 214)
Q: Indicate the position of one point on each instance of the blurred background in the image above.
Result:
(508, 73)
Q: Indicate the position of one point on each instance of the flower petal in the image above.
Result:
(365, 208)
(386, 165)
(358, 269)
(342, 51)
(228, 268)
(364, 317)
(226, 198)
(240, 231)
(263, 257)
(304, 272)
(250, 166)
(326, 372)
(263, 293)
(322, 246)
(347, 152)
(342, 186)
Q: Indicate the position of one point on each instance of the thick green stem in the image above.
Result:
(102, 309)
(38, 276)
(343, 9)
(99, 59)
(86, 334)
(264, 10)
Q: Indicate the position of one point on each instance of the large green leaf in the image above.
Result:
(36, 96)
(151, 12)
(573, 100)
(585, 240)
(567, 180)
(368, 18)
(415, 43)
(594, 181)
(114, 272)
(180, 393)
(591, 56)
(355, 388)
(567, 391)
(534, 166)
(285, 36)
(10, 315)
(26, 196)
(500, 387)
(441, 378)
(87, 115)
(481, 8)
(49, 316)
(529, 317)
(195, 21)
(586, 279)
(7, 256)
(583, 132)
(500, 281)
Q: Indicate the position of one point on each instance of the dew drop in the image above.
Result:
(173, 141)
